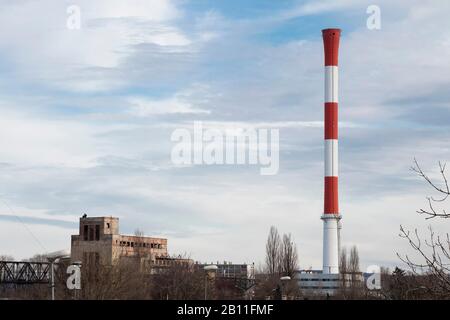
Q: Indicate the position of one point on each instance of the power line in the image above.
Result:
(24, 224)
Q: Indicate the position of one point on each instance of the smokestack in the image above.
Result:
(331, 215)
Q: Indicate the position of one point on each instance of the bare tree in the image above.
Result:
(289, 256)
(351, 286)
(433, 252)
(139, 233)
(353, 263)
(273, 252)
(349, 264)
(343, 268)
(442, 188)
(180, 281)
(40, 257)
(124, 280)
(281, 259)
(266, 286)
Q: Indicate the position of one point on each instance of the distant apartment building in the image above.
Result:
(318, 283)
(230, 270)
(99, 242)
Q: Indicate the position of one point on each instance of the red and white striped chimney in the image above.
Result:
(331, 217)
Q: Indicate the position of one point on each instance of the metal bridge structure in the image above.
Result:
(22, 272)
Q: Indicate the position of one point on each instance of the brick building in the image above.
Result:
(99, 242)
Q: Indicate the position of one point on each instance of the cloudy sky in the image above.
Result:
(87, 115)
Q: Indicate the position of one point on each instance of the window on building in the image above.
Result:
(107, 225)
(85, 233)
(97, 232)
(91, 233)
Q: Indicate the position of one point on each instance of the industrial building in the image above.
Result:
(230, 270)
(315, 282)
(100, 243)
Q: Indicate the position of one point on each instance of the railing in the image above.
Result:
(20, 272)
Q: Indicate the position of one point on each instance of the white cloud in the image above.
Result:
(83, 60)
(157, 10)
(318, 7)
(144, 107)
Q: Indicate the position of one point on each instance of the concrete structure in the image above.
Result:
(331, 217)
(315, 282)
(99, 242)
(230, 270)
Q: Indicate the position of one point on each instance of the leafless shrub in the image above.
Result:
(122, 281)
(180, 282)
(432, 267)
